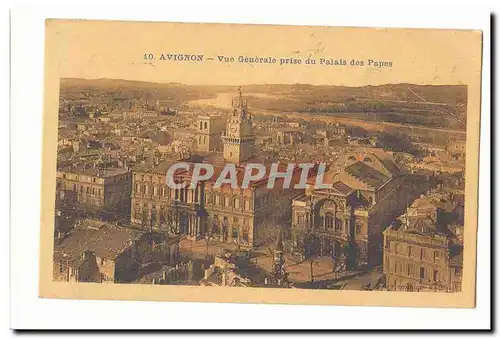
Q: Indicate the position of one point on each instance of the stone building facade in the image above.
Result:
(208, 133)
(248, 216)
(95, 251)
(106, 190)
(421, 254)
(345, 221)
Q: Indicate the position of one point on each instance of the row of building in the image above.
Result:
(347, 221)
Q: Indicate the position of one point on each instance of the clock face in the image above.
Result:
(234, 129)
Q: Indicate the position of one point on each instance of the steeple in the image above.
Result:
(239, 138)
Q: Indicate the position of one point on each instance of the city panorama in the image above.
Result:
(272, 186)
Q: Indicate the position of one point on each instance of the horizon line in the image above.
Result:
(258, 84)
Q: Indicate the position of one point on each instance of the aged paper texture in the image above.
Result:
(260, 163)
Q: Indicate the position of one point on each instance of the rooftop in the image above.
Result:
(367, 174)
(94, 171)
(105, 240)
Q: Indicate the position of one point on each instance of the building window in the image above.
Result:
(216, 199)
(397, 248)
(247, 204)
(410, 270)
(410, 251)
(422, 254)
(235, 233)
(338, 224)
(458, 271)
(422, 273)
(235, 220)
(88, 190)
(236, 203)
(397, 267)
(245, 234)
(300, 219)
(436, 256)
(226, 201)
(358, 229)
(328, 221)
(245, 221)
(435, 276)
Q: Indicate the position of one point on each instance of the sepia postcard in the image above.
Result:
(260, 163)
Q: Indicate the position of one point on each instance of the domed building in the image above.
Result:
(346, 220)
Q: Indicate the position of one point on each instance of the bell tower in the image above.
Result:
(239, 139)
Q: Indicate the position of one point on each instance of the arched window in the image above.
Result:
(226, 201)
(137, 188)
(247, 204)
(216, 199)
(368, 160)
(206, 125)
(351, 158)
(201, 126)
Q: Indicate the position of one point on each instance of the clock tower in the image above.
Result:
(239, 139)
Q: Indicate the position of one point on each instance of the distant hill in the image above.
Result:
(129, 89)
(425, 105)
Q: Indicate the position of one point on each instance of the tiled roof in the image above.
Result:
(367, 174)
(105, 240)
(342, 188)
